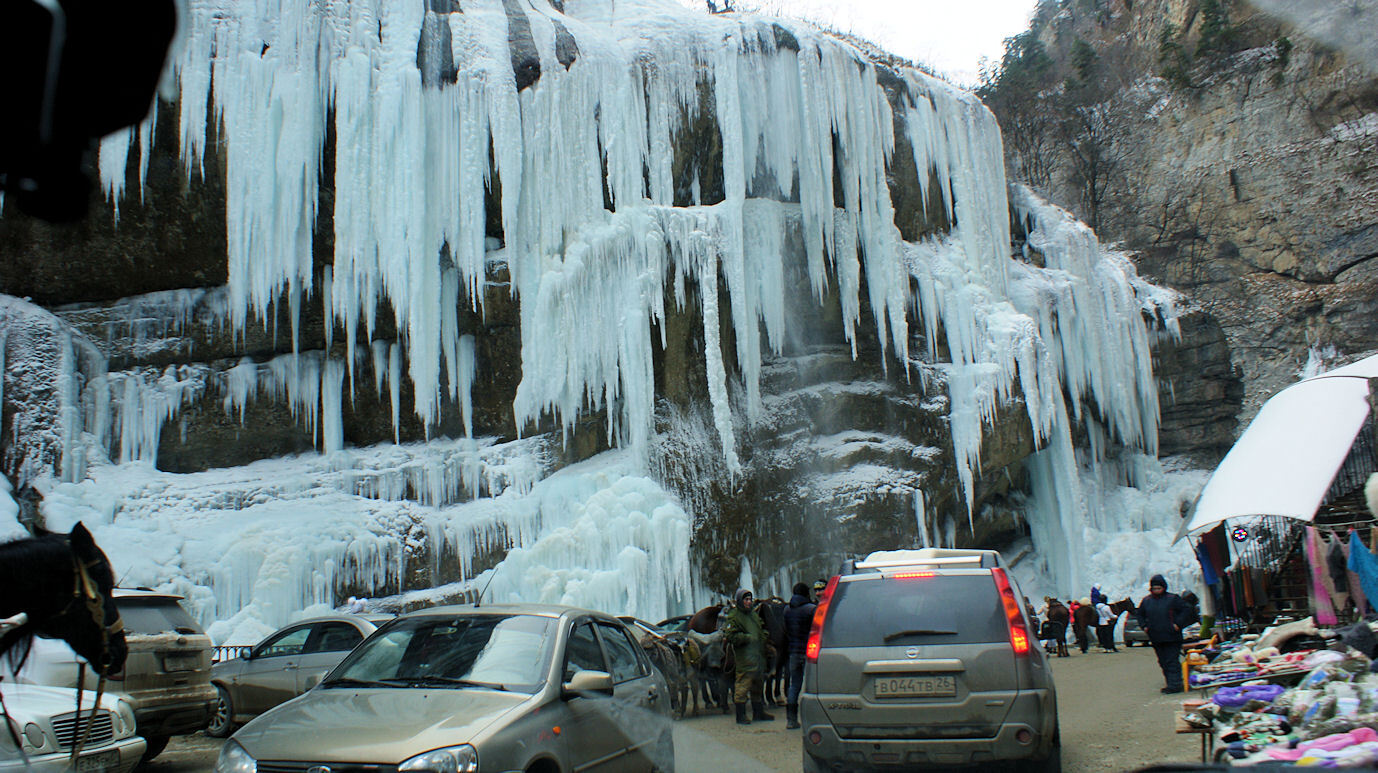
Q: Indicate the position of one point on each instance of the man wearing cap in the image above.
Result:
(1162, 616)
(744, 634)
(819, 586)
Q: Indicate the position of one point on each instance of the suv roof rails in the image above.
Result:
(948, 558)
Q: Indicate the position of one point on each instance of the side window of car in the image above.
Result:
(582, 653)
(335, 637)
(625, 664)
(286, 643)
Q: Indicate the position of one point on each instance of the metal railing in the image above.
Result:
(226, 652)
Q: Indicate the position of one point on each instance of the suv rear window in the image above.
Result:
(943, 609)
(155, 615)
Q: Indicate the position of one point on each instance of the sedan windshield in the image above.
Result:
(499, 652)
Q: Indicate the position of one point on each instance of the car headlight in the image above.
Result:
(33, 734)
(125, 712)
(451, 759)
(233, 759)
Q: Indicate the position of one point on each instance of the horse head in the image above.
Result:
(64, 585)
(1125, 604)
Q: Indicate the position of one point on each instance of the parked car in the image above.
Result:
(1133, 634)
(45, 721)
(284, 665)
(678, 623)
(640, 629)
(465, 688)
(166, 677)
(926, 657)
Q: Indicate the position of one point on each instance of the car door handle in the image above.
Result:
(289, 666)
(652, 696)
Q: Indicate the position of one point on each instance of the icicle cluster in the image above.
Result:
(426, 111)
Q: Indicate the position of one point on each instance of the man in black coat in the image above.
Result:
(1162, 616)
(798, 620)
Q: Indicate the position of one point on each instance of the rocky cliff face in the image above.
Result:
(1236, 156)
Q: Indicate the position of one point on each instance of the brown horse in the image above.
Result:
(706, 620)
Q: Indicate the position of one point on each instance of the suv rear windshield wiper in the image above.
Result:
(916, 632)
(430, 681)
(347, 681)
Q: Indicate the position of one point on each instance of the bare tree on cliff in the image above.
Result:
(1094, 157)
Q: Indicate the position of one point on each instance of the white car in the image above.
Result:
(44, 719)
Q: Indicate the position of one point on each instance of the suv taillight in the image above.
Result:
(1019, 631)
(816, 627)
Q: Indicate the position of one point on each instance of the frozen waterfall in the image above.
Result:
(427, 116)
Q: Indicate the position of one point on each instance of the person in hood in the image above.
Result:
(798, 621)
(1083, 620)
(743, 632)
(1162, 616)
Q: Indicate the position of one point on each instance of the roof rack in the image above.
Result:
(883, 560)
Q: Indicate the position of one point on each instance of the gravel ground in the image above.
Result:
(1113, 720)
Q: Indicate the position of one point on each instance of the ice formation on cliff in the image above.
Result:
(426, 110)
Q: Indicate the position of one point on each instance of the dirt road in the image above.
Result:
(1113, 720)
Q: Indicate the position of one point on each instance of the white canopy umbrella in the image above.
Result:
(1285, 461)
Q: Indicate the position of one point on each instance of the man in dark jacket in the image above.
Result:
(744, 634)
(798, 621)
(1162, 616)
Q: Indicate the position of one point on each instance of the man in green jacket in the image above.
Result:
(747, 638)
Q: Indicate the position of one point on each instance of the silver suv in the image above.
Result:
(925, 657)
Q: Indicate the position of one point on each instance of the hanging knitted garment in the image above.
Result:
(1362, 563)
(1320, 597)
(1355, 589)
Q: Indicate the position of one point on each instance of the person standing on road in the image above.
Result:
(1084, 618)
(743, 632)
(1105, 626)
(798, 620)
(1162, 616)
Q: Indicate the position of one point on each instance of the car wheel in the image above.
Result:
(156, 745)
(663, 759)
(222, 721)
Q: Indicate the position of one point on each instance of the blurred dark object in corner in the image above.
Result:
(74, 71)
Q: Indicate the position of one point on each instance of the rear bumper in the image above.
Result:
(1034, 713)
(187, 715)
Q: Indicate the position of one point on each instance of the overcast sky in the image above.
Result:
(950, 36)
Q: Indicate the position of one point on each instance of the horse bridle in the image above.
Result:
(85, 591)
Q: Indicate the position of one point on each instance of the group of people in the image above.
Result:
(751, 651)
(1084, 615)
(1161, 615)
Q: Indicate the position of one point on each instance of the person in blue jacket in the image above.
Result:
(798, 620)
(1162, 616)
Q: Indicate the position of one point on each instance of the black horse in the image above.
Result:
(772, 614)
(60, 585)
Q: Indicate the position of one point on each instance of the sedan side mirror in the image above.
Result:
(587, 682)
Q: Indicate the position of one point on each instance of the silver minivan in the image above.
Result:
(925, 657)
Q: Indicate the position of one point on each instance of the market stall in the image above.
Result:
(1296, 694)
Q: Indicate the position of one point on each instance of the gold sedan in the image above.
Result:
(459, 689)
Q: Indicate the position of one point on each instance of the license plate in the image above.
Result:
(916, 687)
(99, 762)
(181, 662)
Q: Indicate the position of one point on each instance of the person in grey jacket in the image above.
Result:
(1162, 616)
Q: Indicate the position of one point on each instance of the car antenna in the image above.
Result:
(479, 600)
